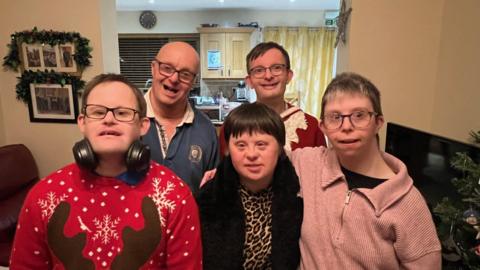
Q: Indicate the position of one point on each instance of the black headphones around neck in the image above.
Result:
(137, 158)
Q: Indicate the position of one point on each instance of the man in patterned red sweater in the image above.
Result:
(114, 209)
(268, 67)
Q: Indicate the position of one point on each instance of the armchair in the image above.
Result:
(18, 173)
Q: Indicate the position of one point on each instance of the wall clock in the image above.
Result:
(148, 19)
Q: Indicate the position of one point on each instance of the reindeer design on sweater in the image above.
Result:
(142, 243)
(74, 219)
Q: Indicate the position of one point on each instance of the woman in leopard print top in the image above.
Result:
(250, 212)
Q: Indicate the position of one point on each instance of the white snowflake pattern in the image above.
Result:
(106, 229)
(159, 197)
(49, 204)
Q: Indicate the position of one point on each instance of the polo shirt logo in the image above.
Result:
(195, 153)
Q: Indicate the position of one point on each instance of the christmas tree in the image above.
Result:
(458, 223)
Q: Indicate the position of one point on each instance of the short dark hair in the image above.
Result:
(254, 117)
(262, 48)
(111, 77)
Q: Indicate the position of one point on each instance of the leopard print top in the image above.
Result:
(258, 228)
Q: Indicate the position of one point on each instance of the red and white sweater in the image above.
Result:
(73, 219)
(302, 129)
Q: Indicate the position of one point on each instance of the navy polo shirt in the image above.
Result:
(192, 151)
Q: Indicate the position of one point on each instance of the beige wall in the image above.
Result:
(422, 55)
(457, 99)
(50, 143)
(110, 54)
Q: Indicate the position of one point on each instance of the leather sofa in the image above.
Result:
(18, 173)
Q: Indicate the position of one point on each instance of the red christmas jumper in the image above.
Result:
(73, 219)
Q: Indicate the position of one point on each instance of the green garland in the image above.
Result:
(28, 77)
(12, 60)
(82, 49)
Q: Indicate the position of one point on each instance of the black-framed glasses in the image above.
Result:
(94, 111)
(167, 70)
(358, 119)
(275, 70)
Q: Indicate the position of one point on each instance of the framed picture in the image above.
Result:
(50, 57)
(58, 58)
(32, 58)
(53, 103)
(67, 62)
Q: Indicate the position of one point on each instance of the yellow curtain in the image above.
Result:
(312, 55)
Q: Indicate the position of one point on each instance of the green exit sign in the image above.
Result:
(330, 22)
(331, 17)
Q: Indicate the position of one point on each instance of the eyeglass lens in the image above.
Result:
(359, 119)
(168, 70)
(275, 70)
(100, 112)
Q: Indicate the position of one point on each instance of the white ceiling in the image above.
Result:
(170, 5)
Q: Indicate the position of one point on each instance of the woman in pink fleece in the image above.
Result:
(361, 208)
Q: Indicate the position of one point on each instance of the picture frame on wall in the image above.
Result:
(53, 103)
(67, 62)
(59, 58)
(50, 56)
(32, 58)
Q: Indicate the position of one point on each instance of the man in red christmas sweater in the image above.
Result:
(113, 209)
(268, 67)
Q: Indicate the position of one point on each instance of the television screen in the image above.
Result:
(427, 157)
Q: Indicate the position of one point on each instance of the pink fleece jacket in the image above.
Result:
(388, 227)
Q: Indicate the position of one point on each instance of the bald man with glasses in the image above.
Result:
(180, 137)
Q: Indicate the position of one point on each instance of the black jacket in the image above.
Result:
(222, 218)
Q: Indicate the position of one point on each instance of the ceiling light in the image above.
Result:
(221, 1)
(291, 1)
(151, 1)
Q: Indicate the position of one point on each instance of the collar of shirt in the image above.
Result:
(382, 196)
(131, 178)
(187, 117)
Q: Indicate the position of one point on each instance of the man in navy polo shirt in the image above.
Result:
(180, 137)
